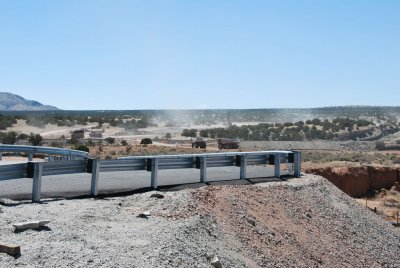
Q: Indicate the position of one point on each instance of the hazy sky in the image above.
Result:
(116, 54)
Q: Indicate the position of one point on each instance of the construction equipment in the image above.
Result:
(199, 142)
(225, 143)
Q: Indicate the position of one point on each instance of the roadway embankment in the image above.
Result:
(302, 222)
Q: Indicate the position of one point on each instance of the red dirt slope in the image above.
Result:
(356, 181)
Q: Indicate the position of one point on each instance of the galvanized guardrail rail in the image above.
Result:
(53, 153)
(153, 164)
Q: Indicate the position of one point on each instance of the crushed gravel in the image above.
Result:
(303, 222)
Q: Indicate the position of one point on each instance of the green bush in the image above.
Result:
(81, 147)
(35, 139)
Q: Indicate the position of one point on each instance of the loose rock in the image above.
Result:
(216, 262)
(144, 214)
(30, 224)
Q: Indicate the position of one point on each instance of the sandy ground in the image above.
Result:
(53, 131)
(303, 222)
(49, 131)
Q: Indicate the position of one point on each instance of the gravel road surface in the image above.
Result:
(303, 222)
(111, 182)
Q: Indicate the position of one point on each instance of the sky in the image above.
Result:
(187, 54)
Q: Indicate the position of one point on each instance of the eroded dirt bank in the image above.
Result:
(356, 181)
(304, 222)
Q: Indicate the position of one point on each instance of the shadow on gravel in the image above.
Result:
(14, 203)
(16, 257)
(230, 182)
(178, 187)
(163, 188)
(113, 194)
(40, 229)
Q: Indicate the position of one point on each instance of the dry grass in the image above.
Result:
(364, 158)
(116, 151)
(386, 203)
(392, 199)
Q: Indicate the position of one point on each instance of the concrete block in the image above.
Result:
(10, 249)
(30, 224)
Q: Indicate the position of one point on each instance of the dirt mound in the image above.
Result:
(356, 181)
(306, 223)
(303, 222)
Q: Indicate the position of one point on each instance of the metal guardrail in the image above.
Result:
(13, 171)
(122, 164)
(36, 170)
(67, 154)
(64, 167)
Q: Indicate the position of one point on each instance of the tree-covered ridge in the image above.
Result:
(130, 119)
(336, 129)
(329, 123)
(7, 121)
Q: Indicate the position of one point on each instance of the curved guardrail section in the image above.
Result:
(67, 154)
(153, 164)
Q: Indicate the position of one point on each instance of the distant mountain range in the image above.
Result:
(12, 102)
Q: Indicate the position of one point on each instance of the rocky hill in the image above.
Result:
(304, 222)
(12, 102)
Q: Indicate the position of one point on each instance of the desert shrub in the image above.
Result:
(146, 141)
(35, 139)
(203, 133)
(316, 121)
(189, 132)
(82, 147)
(392, 201)
(380, 145)
(56, 144)
(8, 137)
(6, 121)
(90, 142)
(23, 136)
(110, 140)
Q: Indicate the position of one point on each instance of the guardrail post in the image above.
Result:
(154, 172)
(277, 159)
(243, 166)
(94, 164)
(203, 169)
(36, 171)
(30, 157)
(297, 164)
